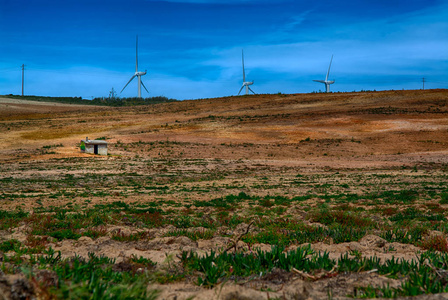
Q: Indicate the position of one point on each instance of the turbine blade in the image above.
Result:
(136, 54)
(127, 83)
(328, 73)
(244, 72)
(251, 90)
(144, 85)
(241, 89)
(321, 81)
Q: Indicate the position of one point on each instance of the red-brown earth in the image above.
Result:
(205, 149)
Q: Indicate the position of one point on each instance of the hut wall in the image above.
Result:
(102, 149)
(90, 149)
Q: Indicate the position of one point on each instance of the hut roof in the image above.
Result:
(94, 142)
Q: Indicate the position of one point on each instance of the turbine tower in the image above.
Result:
(137, 74)
(326, 81)
(245, 83)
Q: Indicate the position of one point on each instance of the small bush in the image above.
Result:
(443, 198)
(10, 245)
(95, 233)
(344, 218)
(65, 234)
(193, 235)
(435, 243)
(122, 237)
(266, 203)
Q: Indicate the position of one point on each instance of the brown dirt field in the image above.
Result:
(216, 147)
(379, 124)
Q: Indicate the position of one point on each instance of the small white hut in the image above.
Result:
(94, 146)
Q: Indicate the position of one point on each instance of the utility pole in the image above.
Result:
(423, 80)
(23, 76)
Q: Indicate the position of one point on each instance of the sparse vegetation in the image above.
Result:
(239, 191)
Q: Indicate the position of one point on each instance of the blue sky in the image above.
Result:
(192, 48)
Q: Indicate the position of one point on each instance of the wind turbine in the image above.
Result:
(245, 83)
(137, 74)
(326, 81)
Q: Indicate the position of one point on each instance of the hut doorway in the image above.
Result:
(95, 149)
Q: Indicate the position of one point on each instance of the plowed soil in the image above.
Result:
(209, 148)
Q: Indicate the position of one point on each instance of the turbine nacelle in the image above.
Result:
(140, 73)
(325, 81)
(247, 83)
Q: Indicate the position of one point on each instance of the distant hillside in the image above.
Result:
(96, 101)
(116, 101)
